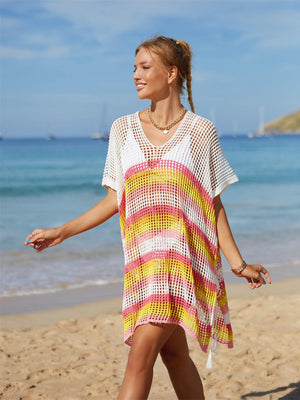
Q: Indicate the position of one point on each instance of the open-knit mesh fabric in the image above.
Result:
(173, 271)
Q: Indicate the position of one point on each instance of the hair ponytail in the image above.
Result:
(176, 53)
(188, 70)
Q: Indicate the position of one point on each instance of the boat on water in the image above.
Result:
(99, 136)
(103, 128)
(258, 135)
(96, 136)
(50, 137)
(260, 132)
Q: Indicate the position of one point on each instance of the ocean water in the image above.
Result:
(46, 183)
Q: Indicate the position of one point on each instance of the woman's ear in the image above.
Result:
(172, 74)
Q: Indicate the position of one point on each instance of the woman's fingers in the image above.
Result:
(40, 239)
(254, 283)
(36, 235)
(253, 274)
(250, 283)
(262, 279)
(36, 240)
(266, 274)
(39, 247)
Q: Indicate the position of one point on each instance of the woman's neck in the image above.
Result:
(166, 110)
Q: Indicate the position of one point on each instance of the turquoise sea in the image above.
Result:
(46, 183)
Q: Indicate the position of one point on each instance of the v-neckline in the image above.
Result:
(169, 140)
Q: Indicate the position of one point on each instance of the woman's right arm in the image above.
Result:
(40, 239)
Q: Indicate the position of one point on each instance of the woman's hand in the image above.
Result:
(253, 274)
(40, 239)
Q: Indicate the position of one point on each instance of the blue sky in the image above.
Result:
(63, 62)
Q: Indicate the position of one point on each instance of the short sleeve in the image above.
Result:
(109, 179)
(221, 174)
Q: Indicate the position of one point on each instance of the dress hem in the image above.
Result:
(204, 348)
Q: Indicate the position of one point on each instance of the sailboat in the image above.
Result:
(96, 136)
(213, 119)
(261, 130)
(50, 135)
(105, 134)
(99, 136)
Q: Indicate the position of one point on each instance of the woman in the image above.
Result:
(164, 174)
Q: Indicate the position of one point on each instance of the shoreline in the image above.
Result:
(89, 303)
(29, 303)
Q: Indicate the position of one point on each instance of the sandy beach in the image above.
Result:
(72, 353)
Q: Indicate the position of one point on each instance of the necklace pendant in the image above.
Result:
(165, 131)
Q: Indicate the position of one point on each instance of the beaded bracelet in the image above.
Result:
(241, 268)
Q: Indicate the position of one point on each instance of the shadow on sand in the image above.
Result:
(294, 395)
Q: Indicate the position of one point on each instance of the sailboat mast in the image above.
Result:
(261, 121)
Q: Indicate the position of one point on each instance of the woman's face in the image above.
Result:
(151, 76)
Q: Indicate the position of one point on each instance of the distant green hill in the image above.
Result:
(287, 124)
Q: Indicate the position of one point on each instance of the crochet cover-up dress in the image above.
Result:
(173, 271)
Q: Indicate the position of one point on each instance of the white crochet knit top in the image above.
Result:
(173, 271)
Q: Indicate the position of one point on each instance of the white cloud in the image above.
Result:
(103, 20)
(54, 52)
(270, 24)
(22, 54)
(9, 23)
(9, 52)
(271, 30)
(23, 39)
(36, 39)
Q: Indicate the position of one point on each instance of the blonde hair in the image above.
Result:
(173, 53)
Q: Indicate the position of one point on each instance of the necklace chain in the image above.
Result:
(166, 129)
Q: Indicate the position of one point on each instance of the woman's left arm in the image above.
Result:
(253, 273)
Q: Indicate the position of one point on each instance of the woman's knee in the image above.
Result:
(145, 347)
(138, 362)
(175, 352)
(174, 358)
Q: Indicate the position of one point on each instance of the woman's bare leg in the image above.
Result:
(147, 342)
(183, 373)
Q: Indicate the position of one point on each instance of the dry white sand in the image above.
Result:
(78, 352)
